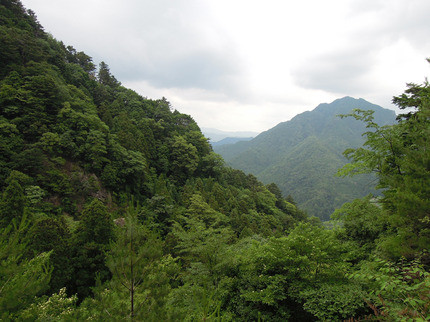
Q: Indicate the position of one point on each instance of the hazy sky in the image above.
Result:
(247, 65)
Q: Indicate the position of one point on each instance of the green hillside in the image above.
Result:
(114, 207)
(302, 155)
(79, 150)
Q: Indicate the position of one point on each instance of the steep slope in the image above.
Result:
(71, 133)
(84, 162)
(302, 155)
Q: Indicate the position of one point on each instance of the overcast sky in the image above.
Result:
(241, 65)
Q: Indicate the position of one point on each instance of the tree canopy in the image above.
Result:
(114, 206)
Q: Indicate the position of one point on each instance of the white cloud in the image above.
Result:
(248, 65)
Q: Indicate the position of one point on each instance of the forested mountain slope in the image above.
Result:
(302, 155)
(114, 207)
(229, 140)
(79, 150)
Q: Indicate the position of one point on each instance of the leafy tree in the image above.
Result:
(209, 243)
(90, 242)
(52, 235)
(53, 308)
(211, 165)
(159, 214)
(21, 278)
(184, 158)
(192, 302)
(400, 157)
(396, 291)
(12, 203)
(395, 280)
(283, 278)
(96, 224)
(96, 150)
(361, 222)
(80, 58)
(201, 234)
(10, 144)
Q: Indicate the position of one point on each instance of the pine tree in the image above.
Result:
(90, 242)
(21, 278)
(139, 270)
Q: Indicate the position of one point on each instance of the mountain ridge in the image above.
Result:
(230, 140)
(216, 135)
(272, 155)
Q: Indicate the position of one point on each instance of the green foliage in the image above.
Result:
(51, 234)
(90, 242)
(399, 155)
(282, 278)
(184, 158)
(362, 222)
(211, 165)
(193, 302)
(396, 227)
(96, 224)
(112, 301)
(302, 156)
(13, 201)
(202, 233)
(333, 301)
(105, 77)
(75, 146)
(57, 307)
(133, 257)
(208, 242)
(396, 291)
(21, 278)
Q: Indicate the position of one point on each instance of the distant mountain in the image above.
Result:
(230, 140)
(216, 135)
(302, 155)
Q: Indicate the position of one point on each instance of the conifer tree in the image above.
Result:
(21, 278)
(141, 275)
(90, 242)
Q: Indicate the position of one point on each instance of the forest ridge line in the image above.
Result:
(200, 240)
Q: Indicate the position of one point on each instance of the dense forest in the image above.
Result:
(301, 156)
(114, 207)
